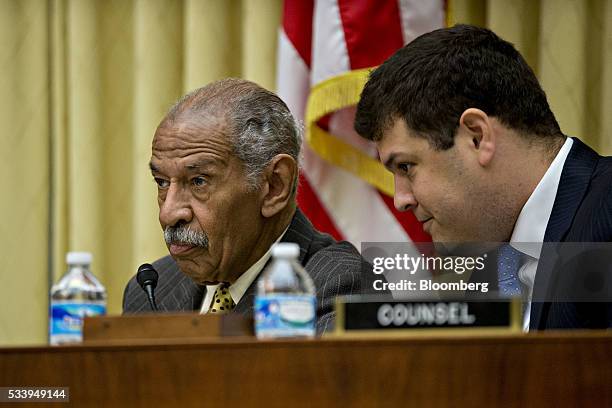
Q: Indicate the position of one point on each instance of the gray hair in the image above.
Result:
(260, 124)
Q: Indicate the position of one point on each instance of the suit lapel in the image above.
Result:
(186, 295)
(575, 179)
(176, 291)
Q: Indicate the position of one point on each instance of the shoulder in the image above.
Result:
(336, 269)
(330, 263)
(593, 217)
(167, 271)
(134, 298)
(171, 280)
(599, 195)
(603, 169)
(320, 253)
(338, 256)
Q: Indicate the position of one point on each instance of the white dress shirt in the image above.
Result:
(531, 225)
(238, 288)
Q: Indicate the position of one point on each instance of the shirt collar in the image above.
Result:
(530, 227)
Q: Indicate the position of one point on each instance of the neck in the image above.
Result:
(526, 168)
(271, 230)
(535, 159)
(277, 225)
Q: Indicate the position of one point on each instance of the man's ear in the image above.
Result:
(278, 184)
(476, 129)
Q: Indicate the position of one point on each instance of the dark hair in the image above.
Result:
(431, 81)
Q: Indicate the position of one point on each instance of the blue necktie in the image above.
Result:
(508, 263)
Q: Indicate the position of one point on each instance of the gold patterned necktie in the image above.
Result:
(222, 300)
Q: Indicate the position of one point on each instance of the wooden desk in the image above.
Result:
(551, 370)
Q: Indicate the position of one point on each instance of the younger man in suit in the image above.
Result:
(225, 160)
(461, 121)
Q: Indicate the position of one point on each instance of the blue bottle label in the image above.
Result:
(66, 320)
(281, 315)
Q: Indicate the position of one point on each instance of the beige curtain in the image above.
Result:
(569, 45)
(83, 84)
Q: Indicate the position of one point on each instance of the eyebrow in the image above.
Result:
(191, 166)
(388, 163)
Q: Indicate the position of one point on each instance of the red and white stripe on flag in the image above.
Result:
(325, 50)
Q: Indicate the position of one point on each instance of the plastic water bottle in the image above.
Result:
(285, 305)
(77, 294)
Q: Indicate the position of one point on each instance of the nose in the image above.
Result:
(174, 208)
(403, 199)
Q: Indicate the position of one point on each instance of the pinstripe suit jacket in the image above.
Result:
(334, 267)
(582, 212)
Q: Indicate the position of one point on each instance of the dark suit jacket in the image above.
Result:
(335, 268)
(582, 212)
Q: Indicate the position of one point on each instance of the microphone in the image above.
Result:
(147, 279)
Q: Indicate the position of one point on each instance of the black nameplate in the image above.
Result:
(431, 315)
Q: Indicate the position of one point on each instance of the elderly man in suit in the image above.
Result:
(461, 121)
(225, 161)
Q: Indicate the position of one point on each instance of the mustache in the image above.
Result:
(185, 235)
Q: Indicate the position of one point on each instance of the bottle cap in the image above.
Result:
(285, 250)
(79, 258)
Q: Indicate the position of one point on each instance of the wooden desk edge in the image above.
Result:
(550, 337)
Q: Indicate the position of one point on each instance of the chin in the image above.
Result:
(192, 270)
